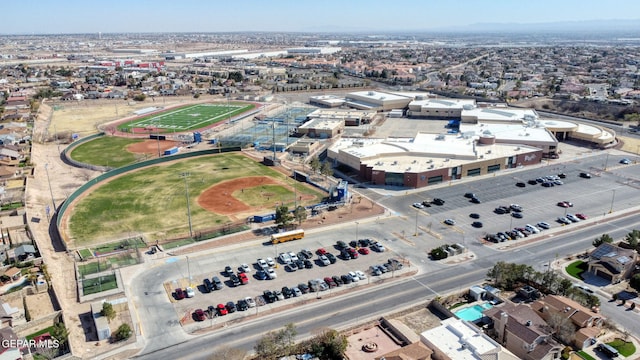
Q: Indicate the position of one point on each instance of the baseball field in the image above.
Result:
(185, 118)
(113, 151)
(222, 189)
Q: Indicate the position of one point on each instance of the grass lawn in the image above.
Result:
(43, 331)
(102, 283)
(576, 268)
(624, 348)
(152, 200)
(188, 118)
(85, 254)
(105, 151)
(585, 356)
(92, 268)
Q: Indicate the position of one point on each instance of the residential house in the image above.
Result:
(9, 157)
(9, 349)
(523, 332)
(612, 262)
(10, 316)
(13, 273)
(415, 351)
(24, 252)
(588, 323)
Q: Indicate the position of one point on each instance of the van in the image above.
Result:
(532, 228)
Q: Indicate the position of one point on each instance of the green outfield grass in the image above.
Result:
(188, 118)
(152, 201)
(105, 151)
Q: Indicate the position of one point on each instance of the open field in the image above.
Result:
(83, 117)
(113, 151)
(186, 118)
(152, 201)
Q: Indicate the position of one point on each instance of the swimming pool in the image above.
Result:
(472, 313)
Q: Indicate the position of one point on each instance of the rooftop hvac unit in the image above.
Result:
(395, 163)
(488, 151)
(527, 134)
(414, 161)
(481, 156)
(431, 166)
(408, 169)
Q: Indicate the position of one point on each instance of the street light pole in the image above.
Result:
(189, 270)
(357, 223)
(46, 169)
(416, 232)
(185, 175)
(613, 196)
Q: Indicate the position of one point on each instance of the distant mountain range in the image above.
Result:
(623, 26)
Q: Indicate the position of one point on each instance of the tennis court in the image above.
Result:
(186, 118)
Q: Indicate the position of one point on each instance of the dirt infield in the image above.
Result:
(218, 198)
(151, 146)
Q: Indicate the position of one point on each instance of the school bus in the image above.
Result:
(287, 236)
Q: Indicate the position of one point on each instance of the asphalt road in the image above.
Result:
(374, 302)
(615, 189)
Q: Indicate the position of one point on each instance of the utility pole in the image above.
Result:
(613, 197)
(185, 175)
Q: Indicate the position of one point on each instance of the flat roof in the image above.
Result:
(377, 95)
(341, 114)
(443, 103)
(459, 340)
(516, 133)
(500, 114)
(322, 124)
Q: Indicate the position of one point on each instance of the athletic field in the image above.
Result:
(186, 118)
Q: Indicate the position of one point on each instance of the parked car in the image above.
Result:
(261, 275)
(337, 280)
(331, 257)
(207, 285)
(262, 264)
(291, 267)
(269, 296)
(306, 253)
(242, 305)
(563, 204)
(532, 182)
(287, 292)
(190, 292)
(324, 260)
(477, 224)
(543, 225)
(341, 245)
(346, 279)
(293, 256)
(308, 264)
(581, 216)
(329, 281)
(244, 279)
(250, 301)
(438, 201)
(228, 271)
(279, 295)
(360, 275)
(475, 200)
(363, 251)
(296, 292)
(199, 315)
(353, 276)
(562, 175)
(222, 310)
(474, 216)
(321, 251)
(217, 283)
(235, 280)
(180, 294)
(244, 268)
(625, 161)
(520, 184)
(418, 205)
(564, 220)
(377, 247)
(517, 215)
(585, 175)
(353, 254)
(304, 288)
(516, 207)
(270, 262)
(284, 258)
(572, 217)
(449, 221)
(231, 307)
(271, 273)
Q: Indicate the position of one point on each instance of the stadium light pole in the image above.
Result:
(185, 175)
(613, 197)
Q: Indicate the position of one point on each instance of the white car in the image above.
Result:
(324, 260)
(572, 217)
(418, 206)
(285, 258)
(250, 301)
(377, 247)
(564, 220)
(293, 256)
(271, 273)
(190, 292)
(296, 292)
(360, 275)
(543, 225)
(532, 228)
(262, 264)
(353, 276)
(245, 268)
(270, 262)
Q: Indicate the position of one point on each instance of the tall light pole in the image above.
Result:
(357, 223)
(613, 196)
(606, 161)
(416, 232)
(189, 270)
(46, 169)
(185, 175)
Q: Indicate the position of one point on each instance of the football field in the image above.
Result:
(186, 118)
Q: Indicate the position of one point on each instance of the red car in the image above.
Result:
(581, 216)
(199, 315)
(244, 280)
(222, 310)
(352, 253)
(180, 294)
(363, 251)
(563, 204)
(321, 251)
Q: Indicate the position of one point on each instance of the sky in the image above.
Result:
(118, 16)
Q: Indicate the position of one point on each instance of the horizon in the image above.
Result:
(286, 16)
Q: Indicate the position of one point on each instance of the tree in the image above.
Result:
(27, 314)
(634, 282)
(326, 169)
(328, 344)
(632, 238)
(605, 238)
(283, 216)
(438, 253)
(236, 76)
(314, 163)
(60, 333)
(300, 213)
(276, 344)
(562, 327)
(123, 332)
(108, 311)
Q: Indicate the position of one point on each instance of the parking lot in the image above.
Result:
(285, 277)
